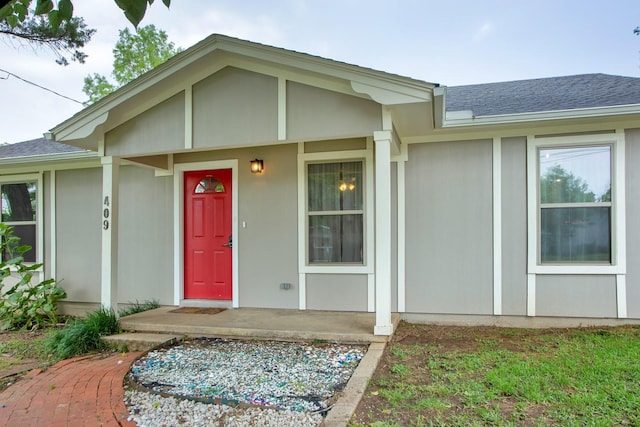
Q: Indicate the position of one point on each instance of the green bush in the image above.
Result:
(82, 336)
(24, 305)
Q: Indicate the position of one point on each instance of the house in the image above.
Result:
(243, 175)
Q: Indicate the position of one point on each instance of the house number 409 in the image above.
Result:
(105, 214)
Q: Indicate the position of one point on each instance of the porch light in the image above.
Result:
(257, 166)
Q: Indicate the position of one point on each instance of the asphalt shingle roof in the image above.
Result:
(547, 94)
(35, 147)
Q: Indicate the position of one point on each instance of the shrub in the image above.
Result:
(24, 305)
(83, 335)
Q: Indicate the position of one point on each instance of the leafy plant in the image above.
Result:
(24, 305)
(83, 335)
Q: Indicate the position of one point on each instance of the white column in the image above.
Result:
(109, 225)
(383, 232)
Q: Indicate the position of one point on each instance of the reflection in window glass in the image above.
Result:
(575, 175)
(209, 185)
(575, 204)
(335, 212)
(18, 202)
(18, 206)
(575, 235)
(335, 238)
(335, 186)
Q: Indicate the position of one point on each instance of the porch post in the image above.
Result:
(109, 225)
(383, 140)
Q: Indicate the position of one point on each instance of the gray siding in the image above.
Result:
(632, 152)
(514, 226)
(449, 228)
(78, 228)
(340, 292)
(269, 251)
(318, 113)
(145, 250)
(158, 130)
(576, 296)
(234, 107)
(268, 205)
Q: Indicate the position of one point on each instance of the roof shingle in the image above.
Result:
(546, 94)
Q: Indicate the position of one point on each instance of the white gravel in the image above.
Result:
(240, 383)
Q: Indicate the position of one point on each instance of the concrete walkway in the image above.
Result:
(83, 391)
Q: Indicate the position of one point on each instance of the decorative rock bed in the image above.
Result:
(235, 382)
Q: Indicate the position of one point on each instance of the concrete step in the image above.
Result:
(139, 341)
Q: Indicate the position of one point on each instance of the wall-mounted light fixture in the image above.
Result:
(257, 166)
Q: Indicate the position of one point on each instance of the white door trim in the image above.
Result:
(178, 224)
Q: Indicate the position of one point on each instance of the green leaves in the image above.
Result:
(134, 10)
(15, 12)
(24, 305)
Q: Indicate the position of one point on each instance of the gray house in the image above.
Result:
(243, 175)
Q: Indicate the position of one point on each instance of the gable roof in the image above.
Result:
(36, 147)
(545, 94)
(187, 68)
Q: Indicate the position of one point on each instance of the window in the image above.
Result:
(575, 204)
(18, 207)
(335, 210)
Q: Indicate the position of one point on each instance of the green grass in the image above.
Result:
(571, 377)
(138, 307)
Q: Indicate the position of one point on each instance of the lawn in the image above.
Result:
(438, 375)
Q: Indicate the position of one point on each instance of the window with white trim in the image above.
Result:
(574, 199)
(335, 212)
(576, 204)
(18, 208)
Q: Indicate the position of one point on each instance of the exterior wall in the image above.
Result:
(78, 217)
(335, 145)
(449, 228)
(394, 237)
(145, 247)
(314, 113)
(158, 130)
(268, 206)
(342, 292)
(46, 238)
(576, 296)
(235, 107)
(632, 152)
(514, 226)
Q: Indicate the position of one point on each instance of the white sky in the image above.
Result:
(453, 42)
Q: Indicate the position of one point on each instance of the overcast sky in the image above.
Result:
(447, 42)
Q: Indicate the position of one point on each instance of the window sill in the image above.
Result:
(336, 269)
(576, 269)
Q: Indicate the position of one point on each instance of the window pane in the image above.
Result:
(335, 186)
(575, 175)
(27, 235)
(18, 202)
(575, 234)
(335, 238)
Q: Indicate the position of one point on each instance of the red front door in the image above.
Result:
(207, 234)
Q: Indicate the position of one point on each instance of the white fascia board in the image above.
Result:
(286, 58)
(80, 155)
(460, 119)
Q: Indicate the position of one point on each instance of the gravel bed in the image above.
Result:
(232, 382)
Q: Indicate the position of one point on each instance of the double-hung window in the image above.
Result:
(335, 212)
(18, 208)
(576, 204)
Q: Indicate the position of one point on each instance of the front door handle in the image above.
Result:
(229, 244)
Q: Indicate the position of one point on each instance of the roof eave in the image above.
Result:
(57, 157)
(95, 114)
(500, 119)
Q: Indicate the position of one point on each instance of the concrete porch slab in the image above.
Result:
(346, 327)
(141, 341)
